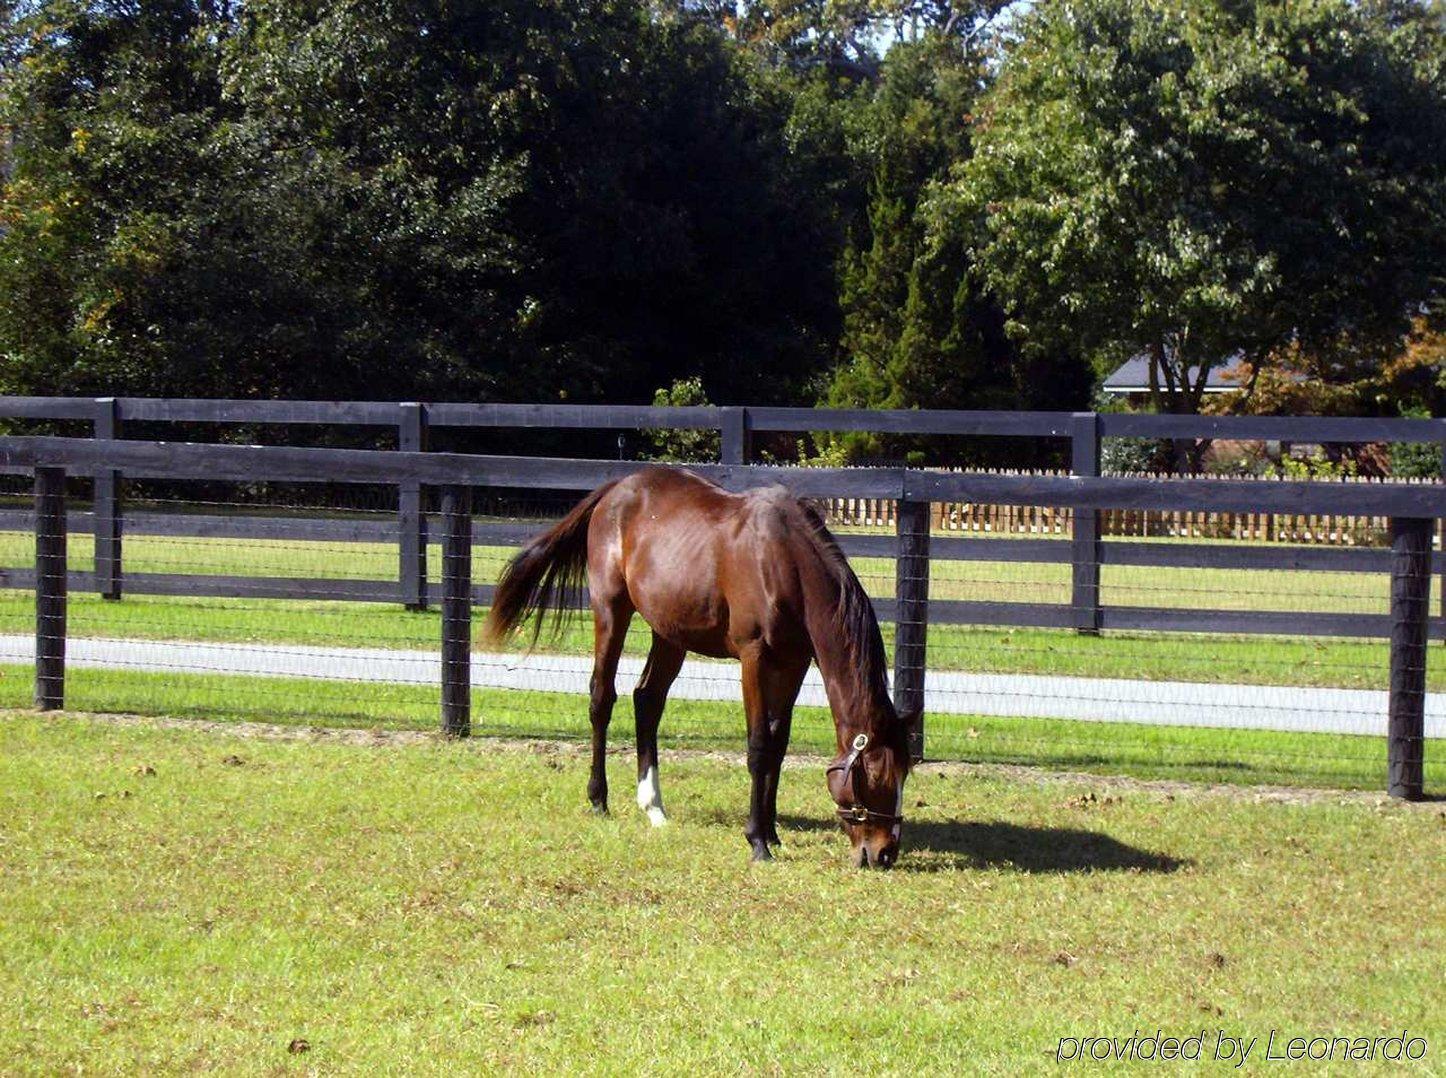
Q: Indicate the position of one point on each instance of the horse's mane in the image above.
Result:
(858, 628)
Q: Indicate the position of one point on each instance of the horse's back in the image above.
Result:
(704, 567)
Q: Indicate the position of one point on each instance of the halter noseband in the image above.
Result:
(858, 812)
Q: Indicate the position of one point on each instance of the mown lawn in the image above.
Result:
(175, 900)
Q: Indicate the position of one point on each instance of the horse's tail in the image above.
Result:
(547, 574)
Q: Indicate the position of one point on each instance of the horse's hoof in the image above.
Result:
(656, 817)
(761, 852)
(774, 840)
(599, 808)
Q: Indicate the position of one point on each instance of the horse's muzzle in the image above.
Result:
(884, 857)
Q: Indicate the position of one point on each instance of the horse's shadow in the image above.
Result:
(996, 844)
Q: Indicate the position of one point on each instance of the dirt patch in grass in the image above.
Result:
(1103, 788)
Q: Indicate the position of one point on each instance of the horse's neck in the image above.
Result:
(834, 666)
(853, 711)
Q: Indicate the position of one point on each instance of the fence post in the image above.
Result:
(1441, 531)
(1410, 611)
(737, 436)
(411, 521)
(106, 507)
(1085, 543)
(911, 620)
(50, 588)
(456, 611)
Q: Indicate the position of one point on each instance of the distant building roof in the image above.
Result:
(1133, 375)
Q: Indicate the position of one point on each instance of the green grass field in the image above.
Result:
(182, 901)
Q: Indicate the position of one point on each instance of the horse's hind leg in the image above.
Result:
(664, 662)
(609, 630)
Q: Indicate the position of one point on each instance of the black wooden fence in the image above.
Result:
(1083, 431)
(1414, 510)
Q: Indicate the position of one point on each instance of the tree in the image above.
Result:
(107, 106)
(908, 132)
(1195, 179)
(920, 328)
(845, 37)
(683, 446)
(404, 198)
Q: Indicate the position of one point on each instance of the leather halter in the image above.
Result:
(858, 812)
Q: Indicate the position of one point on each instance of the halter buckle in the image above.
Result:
(861, 742)
(857, 814)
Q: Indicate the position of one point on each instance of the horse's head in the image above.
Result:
(866, 780)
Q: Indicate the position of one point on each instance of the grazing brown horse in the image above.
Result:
(754, 576)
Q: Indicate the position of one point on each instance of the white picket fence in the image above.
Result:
(978, 518)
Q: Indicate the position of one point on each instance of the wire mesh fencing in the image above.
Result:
(284, 606)
(1286, 707)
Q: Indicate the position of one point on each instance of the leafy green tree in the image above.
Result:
(1193, 179)
(404, 198)
(908, 133)
(844, 37)
(682, 446)
(107, 107)
(920, 329)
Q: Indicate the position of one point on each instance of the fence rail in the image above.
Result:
(1086, 554)
(1413, 508)
(736, 426)
(1065, 425)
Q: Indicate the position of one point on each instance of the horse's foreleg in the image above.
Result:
(759, 756)
(769, 689)
(781, 687)
(780, 749)
(649, 698)
(610, 629)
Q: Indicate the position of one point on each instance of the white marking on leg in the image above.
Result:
(650, 797)
(898, 812)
